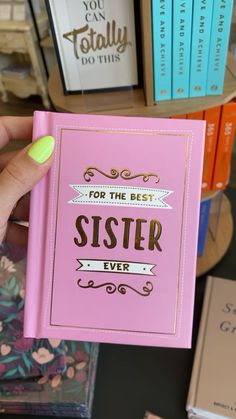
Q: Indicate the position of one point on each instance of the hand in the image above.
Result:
(20, 171)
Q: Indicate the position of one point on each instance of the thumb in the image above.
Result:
(21, 174)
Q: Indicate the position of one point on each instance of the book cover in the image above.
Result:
(181, 45)
(70, 394)
(220, 30)
(212, 118)
(21, 358)
(116, 207)
(212, 388)
(162, 48)
(146, 32)
(224, 146)
(201, 30)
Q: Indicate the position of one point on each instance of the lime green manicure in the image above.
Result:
(42, 149)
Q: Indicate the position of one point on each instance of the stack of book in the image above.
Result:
(39, 376)
(189, 43)
(219, 140)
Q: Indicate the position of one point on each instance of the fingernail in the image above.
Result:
(42, 149)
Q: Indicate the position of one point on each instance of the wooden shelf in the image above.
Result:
(217, 245)
(133, 103)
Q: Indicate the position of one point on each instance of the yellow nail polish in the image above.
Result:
(42, 149)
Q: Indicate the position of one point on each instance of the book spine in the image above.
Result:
(203, 225)
(146, 31)
(212, 117)
(198, 115)
(201, 30)
(182, 22)
(196, 369)
(224, 146)
(162, 47)
(220, 30)
(37, 233)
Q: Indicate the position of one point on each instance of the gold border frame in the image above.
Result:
(133, 132)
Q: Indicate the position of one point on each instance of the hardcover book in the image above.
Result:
(224, 146)
(182, 25)
(21, 358)
(113, 230)
(39, 376)
(70, 394)
(201, 31)
(212, 387)
(195, 115)
(221, 20)
(162, 48)
(212, 118)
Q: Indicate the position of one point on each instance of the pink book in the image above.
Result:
(113, 230)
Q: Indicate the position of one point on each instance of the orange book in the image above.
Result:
(224, 146)
(180, 116)
(212, 118)
(195, 115)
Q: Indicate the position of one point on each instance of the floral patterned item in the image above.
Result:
(70, 394)
(21, 357)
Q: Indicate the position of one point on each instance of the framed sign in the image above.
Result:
(95, 43)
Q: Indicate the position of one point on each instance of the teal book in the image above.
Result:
(201, 33)
(162, 48)
(221, 21)
(182, 24)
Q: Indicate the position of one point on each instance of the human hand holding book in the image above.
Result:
(20, 171)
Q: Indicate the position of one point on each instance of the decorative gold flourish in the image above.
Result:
(88, 174)
(121, 288)
(126, 174)
(114, 174)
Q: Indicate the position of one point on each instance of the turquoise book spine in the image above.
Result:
(162, 48)
(201, 33)
(182, 24)
(220, 30)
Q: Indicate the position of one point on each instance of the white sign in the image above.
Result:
(95, 41)
(120, 195)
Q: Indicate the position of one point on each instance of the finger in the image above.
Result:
(6, 157)
(21, 174)
(17, 234)
(14, 127)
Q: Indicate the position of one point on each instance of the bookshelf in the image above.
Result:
(100, 102)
